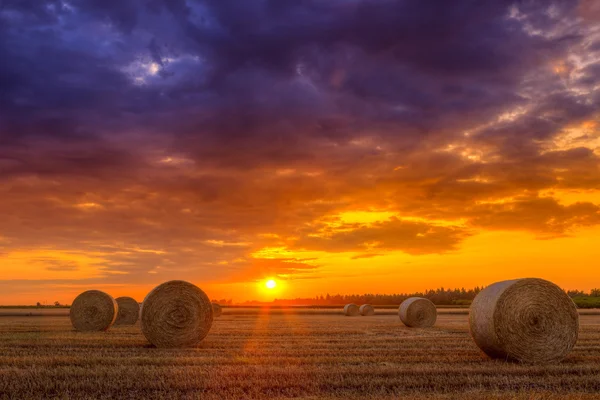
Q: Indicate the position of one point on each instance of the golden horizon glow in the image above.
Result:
(481, 259)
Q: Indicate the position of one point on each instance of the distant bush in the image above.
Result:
(587, 302)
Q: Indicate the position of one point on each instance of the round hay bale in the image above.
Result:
(176, 314)
(217, 310)
(417, 312)
(527, 320)
(351, 310)
(93, 311)
(129, 311)
(367, 310)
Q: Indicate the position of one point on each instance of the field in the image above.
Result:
(302, 354)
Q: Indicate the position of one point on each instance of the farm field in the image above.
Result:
(388, 310)
(255, 353)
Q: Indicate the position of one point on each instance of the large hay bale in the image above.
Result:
(217, 310)
(351, 310)
(367, 310)
(528, 320)
(417, 312)
(129, 311)
(93, 311)
(176, 314)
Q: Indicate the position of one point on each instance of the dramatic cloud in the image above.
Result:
(410, 237)
(167, 137)
(544, 216)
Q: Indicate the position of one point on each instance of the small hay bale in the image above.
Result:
(129, 311)
(217, 310)
(351, 310)
(417, 312)
(367, 310)
(527, 320)
(176, 314)
(93, 311)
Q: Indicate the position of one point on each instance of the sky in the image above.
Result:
(335, 146)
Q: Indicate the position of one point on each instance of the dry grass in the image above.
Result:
(284, 355)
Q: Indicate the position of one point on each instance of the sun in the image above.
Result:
(270, 284)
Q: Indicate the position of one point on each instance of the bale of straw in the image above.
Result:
(176, 314)
(129, 311)
(351, 310)
(417, 312)
(217, 310)
(93, 311)
(527, 320)
(367, 310)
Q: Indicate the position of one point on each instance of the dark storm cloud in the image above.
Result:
(432, 35)
(370, 64)
(174, 135)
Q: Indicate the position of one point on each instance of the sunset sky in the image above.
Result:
(334, 146)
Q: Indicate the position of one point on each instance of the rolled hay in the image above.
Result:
(417, 312)
(217, 310)
(366, 310)
(527, 320)
(93, 310)
(129, 311)
(351, 310)
(176, 314)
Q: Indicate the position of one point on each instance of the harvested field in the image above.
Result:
(284, 354)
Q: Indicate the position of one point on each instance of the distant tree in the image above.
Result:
(595, 292)
(56, 304)
(38, 304)
(576, 293)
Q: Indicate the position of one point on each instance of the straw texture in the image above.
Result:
(417, 312)
(351, 310)
(366, 310)
(93, 311)
(129, 311)
(527, 320)
(176, 314)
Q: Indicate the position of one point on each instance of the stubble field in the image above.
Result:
(306, 354)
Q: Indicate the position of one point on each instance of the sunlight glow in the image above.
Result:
(153, 68)
(365, 217)
(270, 284)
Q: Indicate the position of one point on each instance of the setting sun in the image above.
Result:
(270, 284)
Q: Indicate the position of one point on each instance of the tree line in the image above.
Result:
(441, 296)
